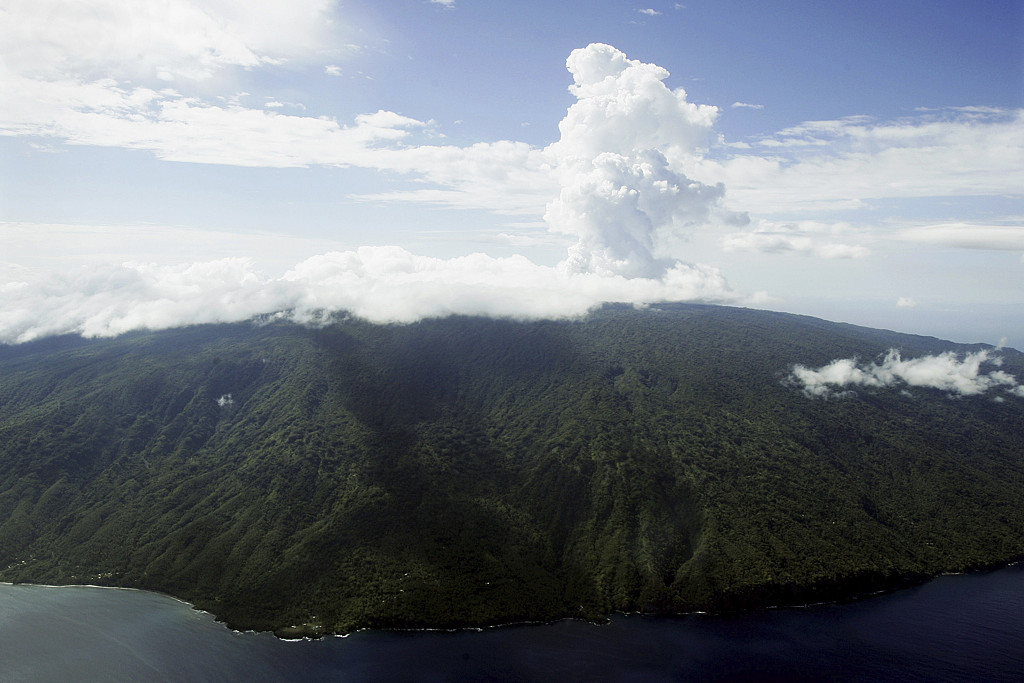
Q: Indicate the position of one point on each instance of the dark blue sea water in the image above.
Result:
(955, 628)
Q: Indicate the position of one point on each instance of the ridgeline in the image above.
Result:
(471, 471)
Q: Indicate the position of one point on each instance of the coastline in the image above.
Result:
(938, 631)
(310, 632)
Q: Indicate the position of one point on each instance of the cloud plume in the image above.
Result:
(944, 371)
(618, 194)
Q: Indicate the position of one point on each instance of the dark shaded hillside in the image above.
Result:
(469, 471)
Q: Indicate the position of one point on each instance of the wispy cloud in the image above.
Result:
(969, 236)
(744, 105)
(843, 164)
(178, 128)
(172, 39)
(649, 12)
(801, 237)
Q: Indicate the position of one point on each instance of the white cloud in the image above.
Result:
(744, 105)
(612, 184)
(767, 242)
(506, 177)
(178, 128)
(842, 164)
(503, 176)
(968, 236)
(275, 104)
(617, 194)
(380, 284)
(649, 12)
(801, 237)
(944, 371)
(110, 300)
(54, 39)
(445, 3)
(841, 251)
(532, 239)
(906, 302)
(623, 105)
(617, 205)
(762, 298)
(96, 72)
(627, 176)
(31, 249)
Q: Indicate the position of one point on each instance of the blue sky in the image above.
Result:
(175, 161)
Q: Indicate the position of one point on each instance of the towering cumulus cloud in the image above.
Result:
(618, 195)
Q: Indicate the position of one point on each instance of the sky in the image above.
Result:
(171, 162)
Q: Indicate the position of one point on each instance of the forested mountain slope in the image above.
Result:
(467, 471)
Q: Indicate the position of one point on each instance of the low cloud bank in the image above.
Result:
(944, 371)
(379, 284)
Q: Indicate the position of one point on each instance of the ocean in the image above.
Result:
(954, 628)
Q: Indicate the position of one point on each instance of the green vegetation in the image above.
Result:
(471, 471)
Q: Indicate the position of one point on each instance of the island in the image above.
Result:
(464, 472)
